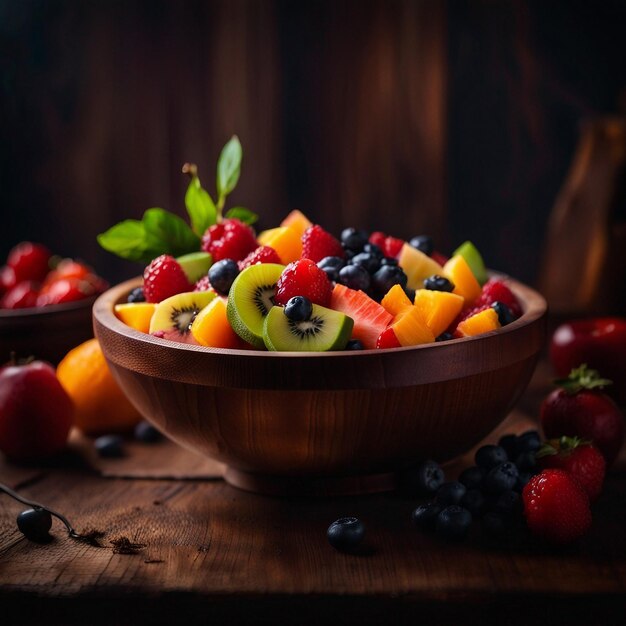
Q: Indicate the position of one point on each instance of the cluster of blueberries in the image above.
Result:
(490, 490)
(112, 446)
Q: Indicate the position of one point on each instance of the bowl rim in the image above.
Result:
(37, 312)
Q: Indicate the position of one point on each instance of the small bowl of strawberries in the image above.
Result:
(45, 302)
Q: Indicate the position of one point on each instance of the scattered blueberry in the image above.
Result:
(472, 477)
(424, 479)
(501, 478)
(453, 522)
(147, 433)
(445, 336)
(425, 515)
(35, 524)
(354, 344)
(136, 295)
(489, 456)
(354, 277)
(438, 283)
(331, 265)
(222, 274)
(388, 276)
(345, 533)
(451, 493)
(530, 441)
(473, 501)
(353, 239)
(509, 443)
(504, 313)
(110, 446)
(423, 243)
(298, 309)
(367, 261)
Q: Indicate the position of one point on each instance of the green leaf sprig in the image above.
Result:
(161, 232)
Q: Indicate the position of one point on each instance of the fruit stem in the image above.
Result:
(582, 378)
(191, 169)
(70, 529)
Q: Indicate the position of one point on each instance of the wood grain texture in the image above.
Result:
(327, 414)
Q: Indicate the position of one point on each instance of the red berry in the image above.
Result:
(69, 268)
(582, 460)
(7, 279)
(496, 290)
(388, 339)
(22, 296)
(392, 246)
(378, 239)
(203, 284)
(29, 261)
(263, 254)
(556, 506)
(318, 244)
(164, 277)
(303, 278)
(230, 239)
(442, 259)
(65, 290)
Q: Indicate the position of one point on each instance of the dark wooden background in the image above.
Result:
(457, 118)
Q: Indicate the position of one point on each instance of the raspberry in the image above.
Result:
(263, 254)
(378, 239)
(317, 244)
(164, 277)
(303, 278)
(556, 506)
(203, 284)
(496, 290)
(230, 239)
(390, 246)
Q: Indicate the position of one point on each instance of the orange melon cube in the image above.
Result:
(211, 326)
(462, 277)
(438, 308)
(298, 221)
(137, 315)
(417, 266)
(410, 329)
(287, 242)
(395, 300)
(478, 324)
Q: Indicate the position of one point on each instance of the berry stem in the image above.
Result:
(582, 378)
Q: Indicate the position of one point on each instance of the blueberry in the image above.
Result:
(354, 344)
(504, 313)
(501, 478)
(388, 276)
(425, 515)
(522, 481)
(366, 260)
(508, 503)
(423, 479)
(345, 533)
(453, 522)
(331, 265)
(445, 336)
(530, 441)
(438, 283)
(489, 456)
(526, 461)
(372, 248)
(389, 260)
(222, 274)
(473, 501)
(35, 524)
(147, 433)
(110, 446)
(298, 309)
(509, 443)
(451, 493)
(423, 243)
(354, 277)
(136, 295)
(494, 523)
(410, 293)
(353, 239)
(472, 477)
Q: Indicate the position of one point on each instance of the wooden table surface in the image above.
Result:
(214, 554)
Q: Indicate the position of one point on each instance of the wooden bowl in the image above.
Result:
(324, 423)
(47, 333)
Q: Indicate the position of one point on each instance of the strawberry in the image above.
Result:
(263, 254)
(318, 244)
(230, 239)
(579, 408)
(390, 246)
(164, 277)
(556, 507)
(65, 290)
(387, 339)
(378, 239)
(22, 296)
(303, 278)
(29, 261)
(582, 460)
(7, 279)
(496, 290)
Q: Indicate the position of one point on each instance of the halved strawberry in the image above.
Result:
(370, 318)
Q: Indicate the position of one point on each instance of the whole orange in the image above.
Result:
(101, 406)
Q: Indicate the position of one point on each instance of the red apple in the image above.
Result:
(36, 413)
(600, 342)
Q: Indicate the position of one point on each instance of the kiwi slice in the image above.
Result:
(195, 265)
(324, 330)
(173, 317)
(250, 298)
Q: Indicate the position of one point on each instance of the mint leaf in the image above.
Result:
(172, 232)
(128, 240)
(200, 207)
(242, 214)
(228, 168)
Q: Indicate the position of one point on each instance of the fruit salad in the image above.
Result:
(298, 287)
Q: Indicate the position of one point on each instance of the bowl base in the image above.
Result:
(320, 486)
